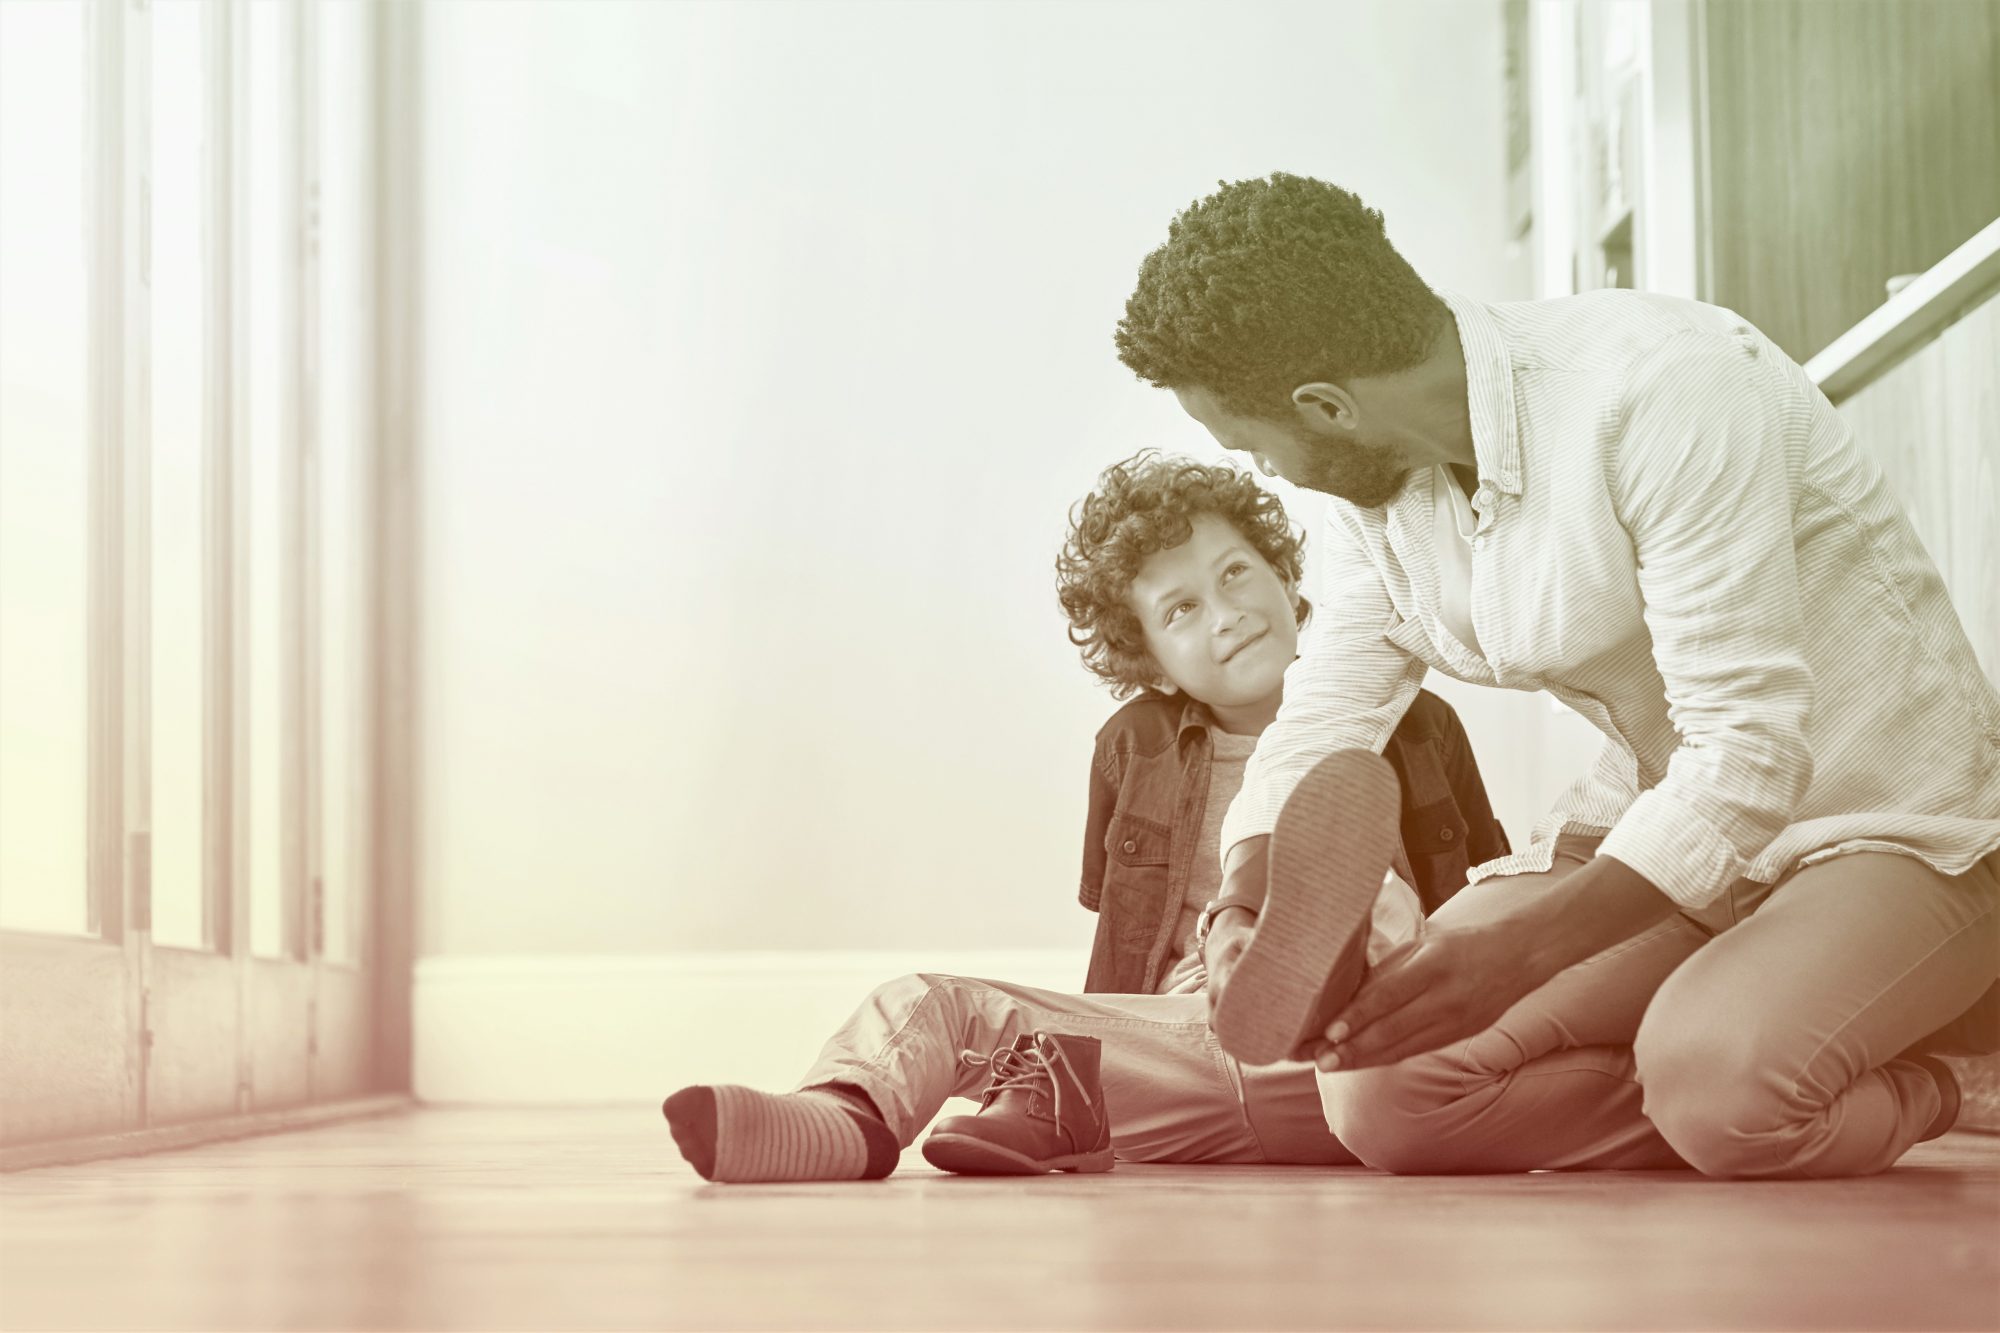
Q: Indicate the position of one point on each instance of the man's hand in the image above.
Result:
(1438, 989)
(1228, 934)
(1455, 982)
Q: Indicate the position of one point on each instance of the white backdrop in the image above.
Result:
(766, 345)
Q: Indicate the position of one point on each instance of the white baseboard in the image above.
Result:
(546, 1029)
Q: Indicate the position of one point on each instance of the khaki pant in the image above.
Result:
(1758, 1037)
(1171, 1093)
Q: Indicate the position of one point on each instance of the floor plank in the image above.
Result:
(509, 1219)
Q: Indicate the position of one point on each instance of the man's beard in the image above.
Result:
(1366, 475)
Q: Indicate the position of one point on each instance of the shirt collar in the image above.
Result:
(1489, 393)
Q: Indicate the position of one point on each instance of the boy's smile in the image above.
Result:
(1219, 622)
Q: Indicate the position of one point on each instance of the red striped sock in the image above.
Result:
(739, 1135)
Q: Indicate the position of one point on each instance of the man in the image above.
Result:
(1735, 941)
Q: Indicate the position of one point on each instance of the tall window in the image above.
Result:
(344, 314)
(187, 309)
(44, 474)
(179, 277)
(270, 456)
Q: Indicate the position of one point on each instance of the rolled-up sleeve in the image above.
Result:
(1704, 476)
(1348, 689)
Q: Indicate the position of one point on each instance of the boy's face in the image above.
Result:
(1219, 621)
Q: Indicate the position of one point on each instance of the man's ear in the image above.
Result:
(1325, 406)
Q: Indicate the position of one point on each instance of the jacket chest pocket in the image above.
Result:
(1134, 842)
(1135, 884)
(1435, 838)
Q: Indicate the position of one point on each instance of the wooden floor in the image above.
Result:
(478, 1219)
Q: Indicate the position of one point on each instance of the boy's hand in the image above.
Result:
(1228, 934)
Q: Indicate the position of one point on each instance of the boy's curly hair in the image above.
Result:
(1141, 506)
(1267, 284)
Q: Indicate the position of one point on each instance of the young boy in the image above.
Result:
(1181, 584)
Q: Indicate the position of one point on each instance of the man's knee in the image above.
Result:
(1715, 1091)
(1407, 1118)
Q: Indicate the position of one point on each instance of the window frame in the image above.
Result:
(109, 1032)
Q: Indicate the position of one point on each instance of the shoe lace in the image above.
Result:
(1032, 1070)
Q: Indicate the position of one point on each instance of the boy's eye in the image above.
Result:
(1235, 569)
(1176, 611)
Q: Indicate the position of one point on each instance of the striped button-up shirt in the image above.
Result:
(1679, 538)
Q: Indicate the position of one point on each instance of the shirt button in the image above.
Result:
(1482, 497)
(1446, 834)
(1130, 846)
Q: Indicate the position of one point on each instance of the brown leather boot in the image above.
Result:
(1044, 1111)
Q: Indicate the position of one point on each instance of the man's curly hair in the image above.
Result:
(1141, 506)
(1269, 284)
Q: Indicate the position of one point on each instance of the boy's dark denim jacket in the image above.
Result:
(1148, 789)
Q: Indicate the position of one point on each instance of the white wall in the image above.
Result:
(766, 346)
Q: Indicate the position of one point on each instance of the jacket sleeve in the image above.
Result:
(1103, 801)
(1485, 837)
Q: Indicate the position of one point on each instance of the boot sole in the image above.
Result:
(1334, 840)
(968, 1156)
